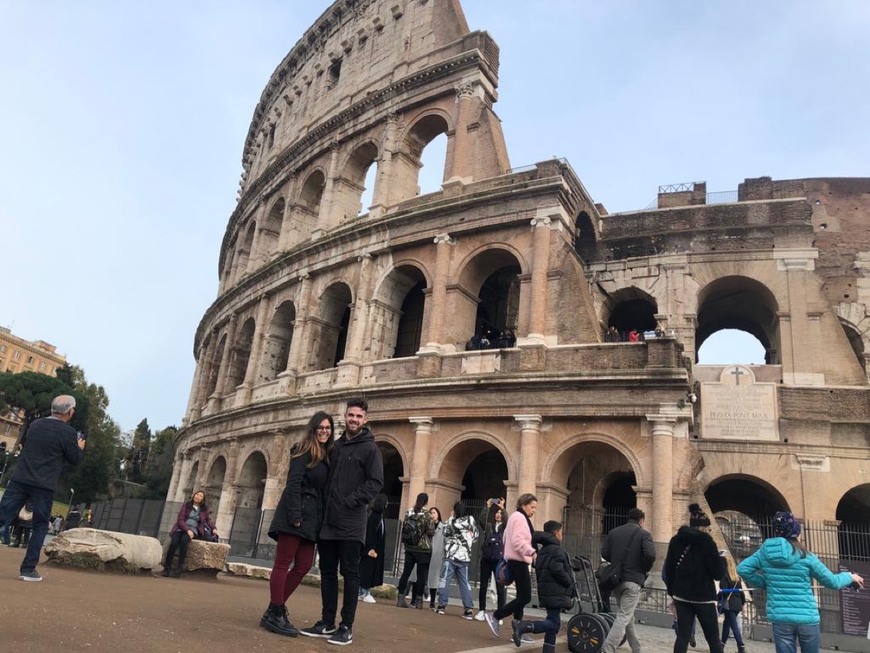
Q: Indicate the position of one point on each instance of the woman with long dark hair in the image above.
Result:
(786, 569)
(437, 559)
(491, 550)
(194, 522)
(519, 552)
(297, 520)
(371, 565)
(417, 531)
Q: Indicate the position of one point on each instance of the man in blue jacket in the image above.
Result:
(48, 443)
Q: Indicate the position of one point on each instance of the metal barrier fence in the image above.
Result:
(838, 545)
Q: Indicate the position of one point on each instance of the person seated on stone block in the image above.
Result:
(193, 523)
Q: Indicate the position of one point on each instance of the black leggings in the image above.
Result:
(487, 571)
(523, 583)
(707, 617)
(421, 559)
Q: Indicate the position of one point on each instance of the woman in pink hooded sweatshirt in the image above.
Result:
(519, 552)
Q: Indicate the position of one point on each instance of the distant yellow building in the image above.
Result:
(19, 355)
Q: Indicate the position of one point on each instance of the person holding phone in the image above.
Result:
(48, 443)
(491, 551)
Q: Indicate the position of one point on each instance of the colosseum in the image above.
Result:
(509, 333)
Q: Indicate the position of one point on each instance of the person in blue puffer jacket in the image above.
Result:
(785, 568)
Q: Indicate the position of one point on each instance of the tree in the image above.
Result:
(158, 469)
(137, 456)
(32, 393)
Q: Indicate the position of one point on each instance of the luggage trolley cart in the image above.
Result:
(588, 630)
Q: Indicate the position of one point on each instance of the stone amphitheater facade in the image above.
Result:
(321, 299)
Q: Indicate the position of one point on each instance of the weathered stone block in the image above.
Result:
(91, 548)
(209, 558)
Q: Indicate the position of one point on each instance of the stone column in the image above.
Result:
(260, 328)
(381, 193)
(462, 169)
(661, 524)
(284, 237)
(295, 359)
(278, 475)
(326, 220)
(439, 292)
(530, 427)
(540, 265)
(223, 370)
(419, 456)
(176, 475)
(229, 492)
(360, 310)
(196, 390)
(187, 462)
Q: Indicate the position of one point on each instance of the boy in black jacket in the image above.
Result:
(555, 586)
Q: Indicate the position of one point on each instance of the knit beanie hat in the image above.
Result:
(785, 525)
(697, 518)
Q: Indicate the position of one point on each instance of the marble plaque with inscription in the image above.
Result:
(738, 408)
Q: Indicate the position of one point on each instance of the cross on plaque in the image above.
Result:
(737, 372)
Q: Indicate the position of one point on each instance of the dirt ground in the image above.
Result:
(81, 611)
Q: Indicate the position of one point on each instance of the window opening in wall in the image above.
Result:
(334, 73)
(499, 305)
(729, 347)
(341, 343)
(432, 165)
(368, 194)
(411, 322)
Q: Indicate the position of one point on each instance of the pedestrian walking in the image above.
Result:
(460, 533)
(786, 569)
(731, 599)
(48, 443)
(417, 531)
(491, 551)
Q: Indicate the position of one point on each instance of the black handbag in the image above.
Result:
(609, 575)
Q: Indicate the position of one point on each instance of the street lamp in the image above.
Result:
(72, 494)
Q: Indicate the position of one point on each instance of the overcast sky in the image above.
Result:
(122, 126)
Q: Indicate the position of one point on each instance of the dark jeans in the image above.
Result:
(523, 584)
(421, 559)
(732, 624)
(487, 571)
(707, 617)
(550, 626)
(178, 541)
(18, 494)
(332, 554)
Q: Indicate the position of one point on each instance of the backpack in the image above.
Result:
(412, 530)
(492, 548)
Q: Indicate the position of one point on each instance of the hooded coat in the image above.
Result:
(302, 500)
(554, 573)
(692, 566)
(356, 475)
(459, 536)
(785, 571)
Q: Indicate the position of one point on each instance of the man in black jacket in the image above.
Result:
(48, 443)
(356, 475)
(633, 546)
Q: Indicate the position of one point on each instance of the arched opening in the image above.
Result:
(585, 240)
(312, 192)
(187, 483)
(853, 532)
(241, 354)
(214, 484)
(856, 342)
(493, 277)
(740, 303)
(397, 316)
(407, 167)
(499, 304)
(249, 500)
(228, 263)
(331, 331)
(432, 161)
(276, 347)
(630, 309)
(245, 254)
(368, 194)
(348, 188)
(394, 470)
(214, 368)
(619, 498)
(271, 232)
(731, 347)
(743, 507)
(479, 469)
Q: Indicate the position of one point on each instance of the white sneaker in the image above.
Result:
(368, 598)
(480, 616)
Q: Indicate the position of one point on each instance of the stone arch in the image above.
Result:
(742, 303)
(187, 483)
(311, 193)
(406, 163)
(241, 355)
(630, 308)
(276, 346)
(856, 341)
(743, 506)
(349, 186)
(214, 483)
(244, 255)
(492, 275)
(455, 458)
(251, 481)
(394, 471)
(600, 473)
(214, 365)
(853, 531)
(397, 314)
(586, 237)
(331, 328)
(270, 234)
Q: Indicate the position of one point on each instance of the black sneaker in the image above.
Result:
(320, 629)
(32, 576)
(468, 614)
(342, 637)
